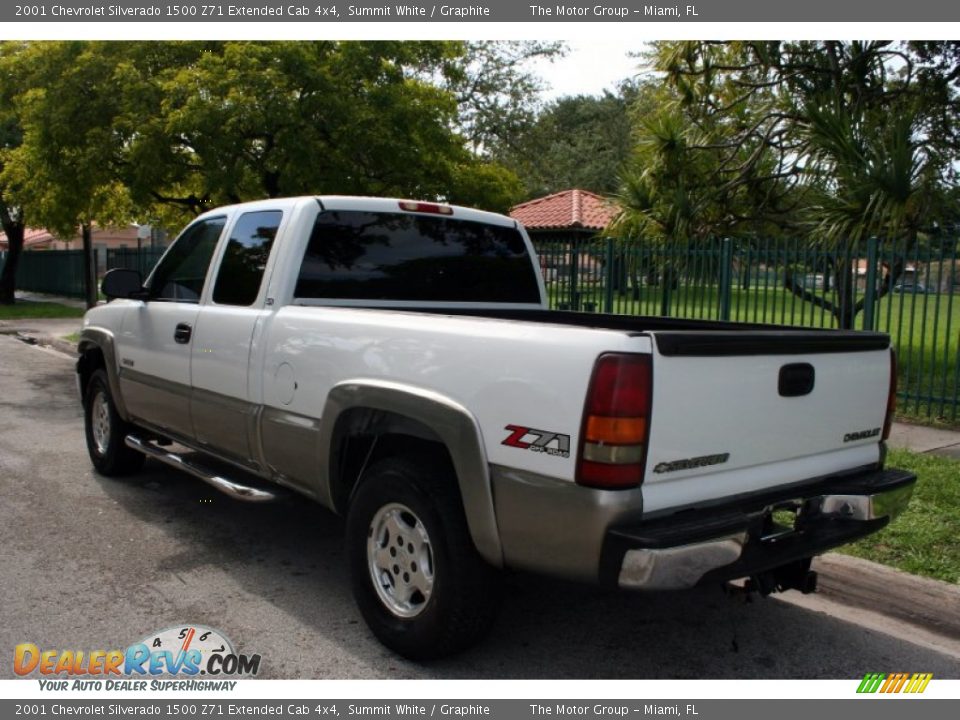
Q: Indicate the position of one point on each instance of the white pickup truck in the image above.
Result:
(396, 362)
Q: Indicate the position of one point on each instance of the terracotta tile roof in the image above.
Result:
(32, 237)
(566, 209)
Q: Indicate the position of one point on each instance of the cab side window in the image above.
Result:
(181, 273)
(245, 258)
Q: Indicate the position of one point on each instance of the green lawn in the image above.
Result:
(25, 309)
(925, 330)
(925, 540)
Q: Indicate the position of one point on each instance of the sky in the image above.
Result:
(590, 67)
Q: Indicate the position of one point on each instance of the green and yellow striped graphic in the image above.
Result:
(894, 682)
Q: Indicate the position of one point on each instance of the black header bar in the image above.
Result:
(329, 11)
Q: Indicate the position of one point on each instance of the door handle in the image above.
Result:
(182, 333)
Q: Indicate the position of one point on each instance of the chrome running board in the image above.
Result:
(234, 489)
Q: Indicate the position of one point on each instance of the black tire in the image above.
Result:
(106, 430)
(414, 496)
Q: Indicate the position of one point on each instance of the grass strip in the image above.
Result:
(925, 540)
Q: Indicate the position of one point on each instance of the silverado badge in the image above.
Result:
(690, 463)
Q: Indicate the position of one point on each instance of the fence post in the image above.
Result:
(574, 271)
(726, 262)
(608, 278)
(870, 291)
(667, 280)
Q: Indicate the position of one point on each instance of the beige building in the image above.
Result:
(108, 238)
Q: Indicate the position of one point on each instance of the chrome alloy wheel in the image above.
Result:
(400, 560)
(100, 422)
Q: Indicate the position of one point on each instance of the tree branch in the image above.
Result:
(804, 294)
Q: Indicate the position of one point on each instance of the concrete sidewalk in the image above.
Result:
(44, 297)
(49, 332)
(922, 439)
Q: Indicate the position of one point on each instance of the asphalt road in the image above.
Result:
(89, 562)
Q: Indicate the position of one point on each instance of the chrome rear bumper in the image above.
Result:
(743, 539)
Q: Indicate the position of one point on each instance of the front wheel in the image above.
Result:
(419, 582)
(106, 430)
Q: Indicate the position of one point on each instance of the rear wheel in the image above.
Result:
(106, 430)
(419, 582)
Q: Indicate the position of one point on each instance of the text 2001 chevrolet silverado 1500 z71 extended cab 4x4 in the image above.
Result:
(395, 361)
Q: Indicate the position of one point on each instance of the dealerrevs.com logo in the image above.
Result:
(171, 659)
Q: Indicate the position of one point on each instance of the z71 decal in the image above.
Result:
(542, 441)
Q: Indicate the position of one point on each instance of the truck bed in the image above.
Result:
(681, 336)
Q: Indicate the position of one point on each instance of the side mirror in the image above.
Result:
(123, 283)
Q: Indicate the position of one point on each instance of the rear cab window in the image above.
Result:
(365, 255)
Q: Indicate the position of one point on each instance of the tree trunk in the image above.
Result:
(668, 285)
(89, 266)
(846, 310)
(8, 277)
(618, 273)
(634, 281)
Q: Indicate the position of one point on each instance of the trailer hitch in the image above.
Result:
(793, 576)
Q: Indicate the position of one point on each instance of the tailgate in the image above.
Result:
(743, 411)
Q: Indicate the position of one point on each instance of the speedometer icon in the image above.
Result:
(179, 640)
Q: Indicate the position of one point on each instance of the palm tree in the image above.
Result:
(662, 197)
(873, 176)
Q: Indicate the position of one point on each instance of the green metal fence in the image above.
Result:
(143, 259)
(785, 282)
(60, 272)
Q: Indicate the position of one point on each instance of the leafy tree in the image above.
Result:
(881, 180)
(664, 195)
(936, 67)
(497, 95)
(840, 141)
(12, 215)
(65, 167)
(579, 141)
(245, 119)
(91, 130)
(669, 192)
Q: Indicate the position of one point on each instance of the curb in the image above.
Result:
(852, 581)
(48, 341)
(60, 345)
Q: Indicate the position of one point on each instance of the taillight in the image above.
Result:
(891, 396)
(425, 207)
(616, 422)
